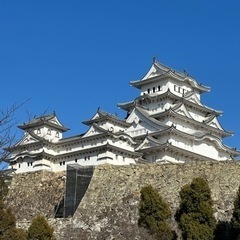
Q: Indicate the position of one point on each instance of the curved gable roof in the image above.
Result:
(159, 70)
(50, 120)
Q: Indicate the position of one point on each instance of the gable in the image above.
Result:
(93, 130)
(55, 121)
(141, 124)
(193, 98)
(213, 122)
(181, 109)
(153, 71)
(27, 139)
(148, 142)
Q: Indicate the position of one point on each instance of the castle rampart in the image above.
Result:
(109, 208)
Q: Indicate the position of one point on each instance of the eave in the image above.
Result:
(107, 118)
(168, 94)
(101, 148)
(196, 137)
(171, 112)
(170, 74)
(43, 120)
(168, 147)
(22, 155)
(28, 126)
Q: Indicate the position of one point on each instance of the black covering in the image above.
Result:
(77, 181)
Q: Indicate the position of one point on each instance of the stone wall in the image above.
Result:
(109, 209)
(36, 192)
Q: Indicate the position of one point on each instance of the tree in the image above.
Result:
(8, 228)
(235, 220)
(40, 229)
(3, 187)
(195, 214)
(154, 214)
(7, 122)
(15, 234)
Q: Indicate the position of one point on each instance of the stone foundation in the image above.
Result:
(109, 209)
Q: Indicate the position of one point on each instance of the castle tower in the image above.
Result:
(171, 122)
(35, 151)
(166, 123)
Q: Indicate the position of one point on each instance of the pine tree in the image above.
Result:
(8, 228)
(154, 214)
(195, 215)
(3, 188)
(40, 229)
(14, 234)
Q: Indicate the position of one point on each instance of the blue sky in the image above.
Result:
(75, 56)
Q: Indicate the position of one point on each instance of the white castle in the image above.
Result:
(167, 123)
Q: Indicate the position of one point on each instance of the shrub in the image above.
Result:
(154, 213)
(3, 187)
(40, 229)
(195, 214)
(14, 234)
(8, 228)
(7, 219)
(235, 221)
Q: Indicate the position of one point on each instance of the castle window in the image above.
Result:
(60, 163)
(63, 162)
(19, 165)
(153, 89)
(39, 131)
(57, 134)
(75, 159)
(148, 91)
(159, 88)
(49, 131)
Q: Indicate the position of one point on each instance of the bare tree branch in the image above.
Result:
(7, 122)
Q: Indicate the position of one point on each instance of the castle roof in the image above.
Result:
(189, 99)
(172, 112)
(101, 116)
(50, 120)
(159, 71)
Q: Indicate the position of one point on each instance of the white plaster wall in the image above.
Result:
(150, 86)
(48, 133)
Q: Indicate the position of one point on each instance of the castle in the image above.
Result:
(166, 123)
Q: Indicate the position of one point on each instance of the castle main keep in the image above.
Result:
(166, 123)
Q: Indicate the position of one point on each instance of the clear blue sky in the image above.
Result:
(75, 56)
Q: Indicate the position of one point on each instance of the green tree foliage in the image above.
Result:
(7, 219)
(40, 229)
(8, 228)
(195, 215)
(235, 221)
(154, 214)
(14, 234)
(3, 187)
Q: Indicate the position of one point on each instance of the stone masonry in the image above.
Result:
(109, 209)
